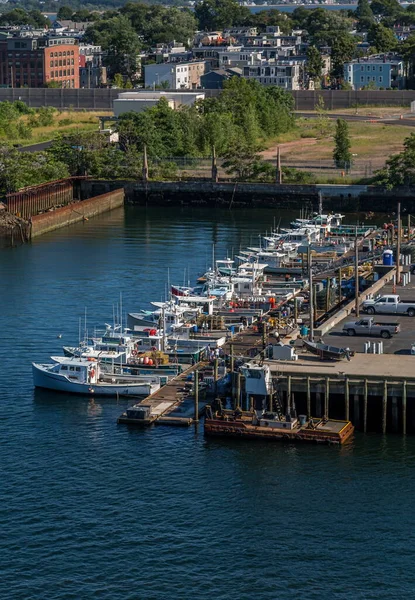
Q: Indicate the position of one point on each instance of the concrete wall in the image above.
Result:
(76, 212)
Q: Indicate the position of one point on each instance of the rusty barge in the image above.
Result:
(228, 423)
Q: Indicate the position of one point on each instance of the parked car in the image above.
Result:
(390, 304)
(370, 327)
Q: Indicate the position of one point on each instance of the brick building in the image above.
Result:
(28, 61)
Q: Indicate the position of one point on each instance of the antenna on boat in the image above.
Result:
(121, 312)
(168, 284)
(213, 257)
(85, 334)
(113, 316)
(79, 331)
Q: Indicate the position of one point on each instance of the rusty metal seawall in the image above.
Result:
(31, 201)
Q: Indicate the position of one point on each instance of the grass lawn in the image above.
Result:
(74, 121)
(311, 143)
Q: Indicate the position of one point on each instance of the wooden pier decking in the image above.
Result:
(170, 405)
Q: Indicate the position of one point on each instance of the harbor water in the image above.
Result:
(89, 509)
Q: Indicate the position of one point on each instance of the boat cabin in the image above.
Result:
(78, 371)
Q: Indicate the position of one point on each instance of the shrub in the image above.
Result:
(64, 122)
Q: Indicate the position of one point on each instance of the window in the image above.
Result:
(362, 79)
(78, 369)
(380, 79)
(60, 53)
(381, 68)
(362, 68)
(373, 78)
(374, 68)
(72, 71)
(72, 52)
(64, 72)
(64, 53)
(350, 79)
(64, 368)
(72, 368)
(368, 77)
(349, 68)
(51, 63)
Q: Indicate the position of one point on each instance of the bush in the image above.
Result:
(45, 116)
(24, 131)
(22, 107)
(290, 175)
(64, 122)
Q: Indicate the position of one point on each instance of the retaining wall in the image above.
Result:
(76, 212)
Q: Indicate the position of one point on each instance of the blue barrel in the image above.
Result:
(388, 258)
(304, 330)
(302, 419)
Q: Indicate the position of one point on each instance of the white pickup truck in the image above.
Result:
(389, 305)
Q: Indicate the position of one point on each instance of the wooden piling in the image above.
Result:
(196, 416)
(215, 374)
(232, 358)
(340, 285)
(318, 404)
(365, 406)
(326, 397)
(327, 294)
(404, 407)
(384, 405)
(356, 410)
(346, 399)
(308, 398)
(288, 393)
(295, 310)
(238, 389)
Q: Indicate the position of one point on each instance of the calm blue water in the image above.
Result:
(89, 509)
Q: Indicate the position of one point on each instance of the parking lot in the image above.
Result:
(399, 343)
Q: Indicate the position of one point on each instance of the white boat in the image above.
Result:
(83, 376)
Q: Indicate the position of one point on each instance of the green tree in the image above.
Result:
(121, 42)
(343, 50)
(65, 13)
(315, 63)
(365, 15)
(400, 168)
(386, 8)
(118, 80)
(220, 14)
(382, 38)
(363, 10)
(341, 154)
(21, 169)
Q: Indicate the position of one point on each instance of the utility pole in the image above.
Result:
(279, 171)
(310, 287)
(356, 274)
(145, 164)
(398, 248)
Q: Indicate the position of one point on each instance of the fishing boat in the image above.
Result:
(82, 376)
(326, 352)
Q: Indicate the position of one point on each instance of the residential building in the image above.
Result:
(376, 71)
(214, 80)
(181, 75)
(139, 101)
(91, 72)
(28, 61)
(287, 74)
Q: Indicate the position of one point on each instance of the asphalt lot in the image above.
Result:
(399, 343)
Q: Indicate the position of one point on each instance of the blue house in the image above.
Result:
(380, 71)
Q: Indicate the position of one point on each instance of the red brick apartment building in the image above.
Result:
(35, 61)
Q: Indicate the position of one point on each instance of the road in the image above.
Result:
(35, 147)
(407, 121)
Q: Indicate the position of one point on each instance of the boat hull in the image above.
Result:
(58, 383)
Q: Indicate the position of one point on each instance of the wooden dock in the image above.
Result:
(171, 404)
